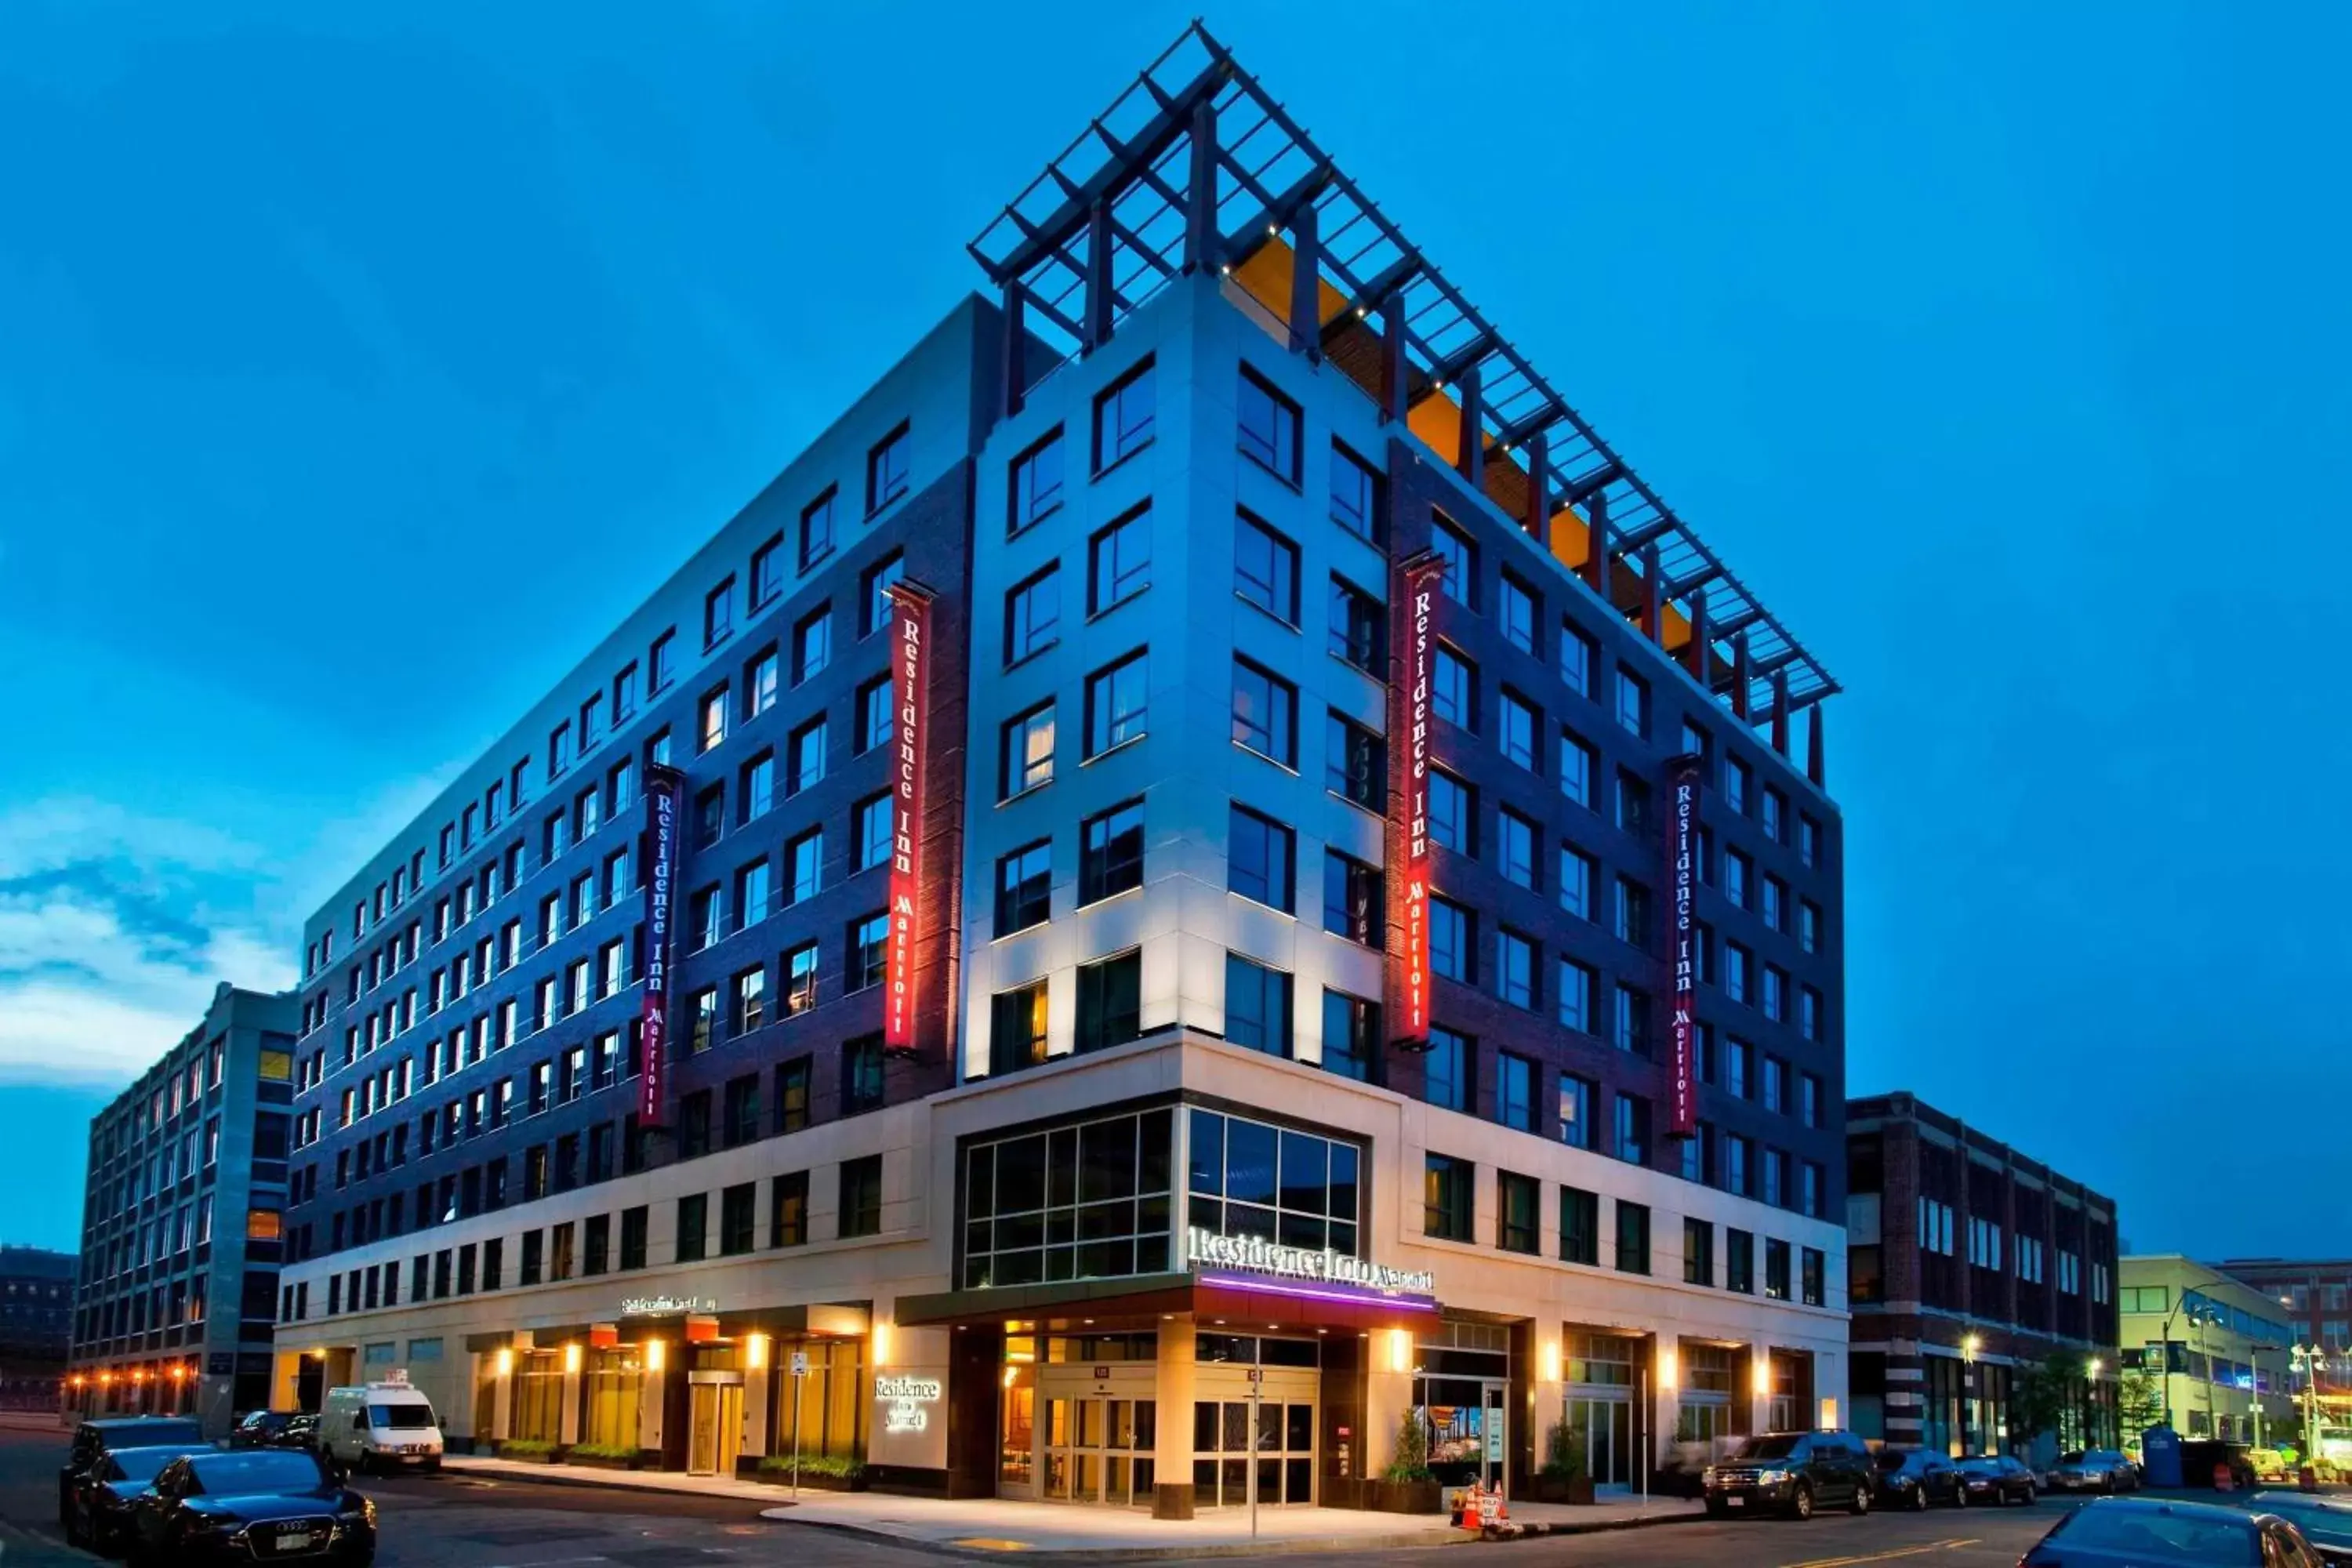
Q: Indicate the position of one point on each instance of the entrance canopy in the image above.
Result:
(1232, 1295)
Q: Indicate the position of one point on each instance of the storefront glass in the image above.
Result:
(1091, 1200)
(829, 1405)
(537, 1396)
(612, 1389)
(1248, 1179)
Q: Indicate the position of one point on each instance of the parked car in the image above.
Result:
(1792, 1473)
(2095, 1470)
(275, 1429)
(1997, 1478)
(1914, 1478)
(389, 1424)
(228, 1506)
(104, 1491)
(96, 1437)
(2146, 1532)
(2325, 1522)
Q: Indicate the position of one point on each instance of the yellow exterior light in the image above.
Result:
(1970, 1345)
(1400, 1350)
(2092, 1368)
(656, 1355)
(572, 1356)
(1828, 1413)
(1668, 1367)
(1551, 1361)
(104, 1378)
(506, 1362)
(1011, 1373)
(881, 1343)
(1763, 1374)
(755, 1352)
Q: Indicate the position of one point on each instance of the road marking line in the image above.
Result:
(1886, 1556)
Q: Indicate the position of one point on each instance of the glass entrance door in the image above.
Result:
(1469, 1428)
(1605, 1425)
(715, 1428)
(1099, 1450)
(1225, 1448)
(1017, 1454)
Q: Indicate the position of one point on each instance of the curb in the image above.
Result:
(556, 1478)
(1598, 1527)
(1160, 1552)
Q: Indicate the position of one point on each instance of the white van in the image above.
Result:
(380, 1426)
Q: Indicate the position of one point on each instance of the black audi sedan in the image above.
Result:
(94, 1439)
(240, 1505)
(1997, 1478)
(99, 1517)
(1916, 1478)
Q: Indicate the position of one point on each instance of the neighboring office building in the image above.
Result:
(1969, 1263)
(36, 1325)
(1162, 1115)
(182, 1213)
(2222, 1346)
(2315, 1295)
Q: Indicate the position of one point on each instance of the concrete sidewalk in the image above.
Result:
(987, 1524)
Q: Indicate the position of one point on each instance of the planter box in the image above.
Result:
(1404, 1497)
(598, 1462)
(552, 1456)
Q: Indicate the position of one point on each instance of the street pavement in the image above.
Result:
(454, 1521)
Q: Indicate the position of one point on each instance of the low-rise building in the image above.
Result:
(2218, 1344)
(1971, 1267)
(35, 1302)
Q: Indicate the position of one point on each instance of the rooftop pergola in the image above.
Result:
(1196, 166)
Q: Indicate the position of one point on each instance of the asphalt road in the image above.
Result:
(446, 1522)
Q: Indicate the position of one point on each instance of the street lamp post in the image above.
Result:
(2310, 1361)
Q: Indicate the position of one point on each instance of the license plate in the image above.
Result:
(293, 1540)
(1735, 1502)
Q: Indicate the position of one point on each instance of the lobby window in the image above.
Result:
(1085, 1202)
(1452, 814)
(1110, 852)
(1351, 1035)
(816, 529)
(1447, 1197)
(1110, 1002)
(1258, 1005)
(1025, 752)
(633, 1237)
(788, 1203)
(1633, 1030)
(1577, 1096)
(1698, 1252)
(737, 1207)
(1265, 713)
(1579, 989)
(1356, 496)
(693, 1229)
(1632, 1238)
(1119, 562)
(874, 598)
(1354, 905)
(1036, 484)
(1514, 1090)
(862, 964)
(887, 467)
(1577, 870)
(861, 1196)
(1259, 854)
(862, 1087)
(1446, 1069)
(1125, 416)
(1632, 702)
(1579, 1226)
(1739, 1261)
(1518, 1218)
(1358, 628)
(1452, 939)
(1025, 881)
(1458, 578)
(1813, 1266)
(1453, 688)
(1266, 569)
(1576, 760)
(1516, 731)
(717, 614)
(1632, 1128)
(793, 1081)
(1117, 702)
(1016, 1028)
(1269, 427)
(1033, 614)
(1355, 764)
(1515, 969)
(1776, 1269)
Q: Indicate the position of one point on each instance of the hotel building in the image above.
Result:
(1207, 876)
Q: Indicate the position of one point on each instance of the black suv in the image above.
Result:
(1792, 1473)
(94, 1439)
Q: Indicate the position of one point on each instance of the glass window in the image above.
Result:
(788, 1203)
(875, 722)
(1446, 1069)
(1119, 562)
(1258, 1005)
(1514, 1090)
(1259, 859)
(1118, 698)
(1024, 887)
(1515, 969)
(1632, 1238)
(873, 602)
(816, 529)
(1356, 496)
(807, 755)
(861, 1196)
(1351, 1036)
(886, 469)
(866, 940)
(1452, 937)
(1265, 713)
(805, 865)
(1517, 732)
(811, 644)
(1576, 872)
(1353, 902)
(767, 582)
(1355, 764)
(1577, 1096)
(1633, 701)
(800, 979)
(870, 828)
(1109, 1002)
(1576, 659)
(1446, 1197)
(1025, 754)
(1632, 1128)
(1698, 1252)
(1579, 987)
(1090, 1201)
(1516, 1220)
(1579, 1226)
(718, 621)
(1036, 483)
(762, 679)
(1110, 852)
(861, 1075)
(1125, 416)
(1515, 848)
(1453, 688)
(1633, 1020)
(1518, 614)
(1576, 765)
(1452, 814)
(1458, 577)
(1033, 614)
(1269, 427)
(1016, 1037)
(1739, 1261)
(1266, 569)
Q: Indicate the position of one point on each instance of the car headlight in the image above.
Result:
(1707, 1476)
(1771, 1478)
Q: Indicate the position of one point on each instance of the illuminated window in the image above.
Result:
(263, 1224)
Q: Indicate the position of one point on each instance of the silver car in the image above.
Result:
(2095, 1470)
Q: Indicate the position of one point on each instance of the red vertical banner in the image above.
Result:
(1413, 638)
(910, 633)
(1682, 877)
(662, 788)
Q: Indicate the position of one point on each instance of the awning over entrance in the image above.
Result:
(1241, 1298)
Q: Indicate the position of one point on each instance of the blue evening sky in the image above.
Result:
(359, 366)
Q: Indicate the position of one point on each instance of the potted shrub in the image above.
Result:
(602, 1456)
(529, 1450)
(819, 1472)
(1564, 1478)
(1406, 1486)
